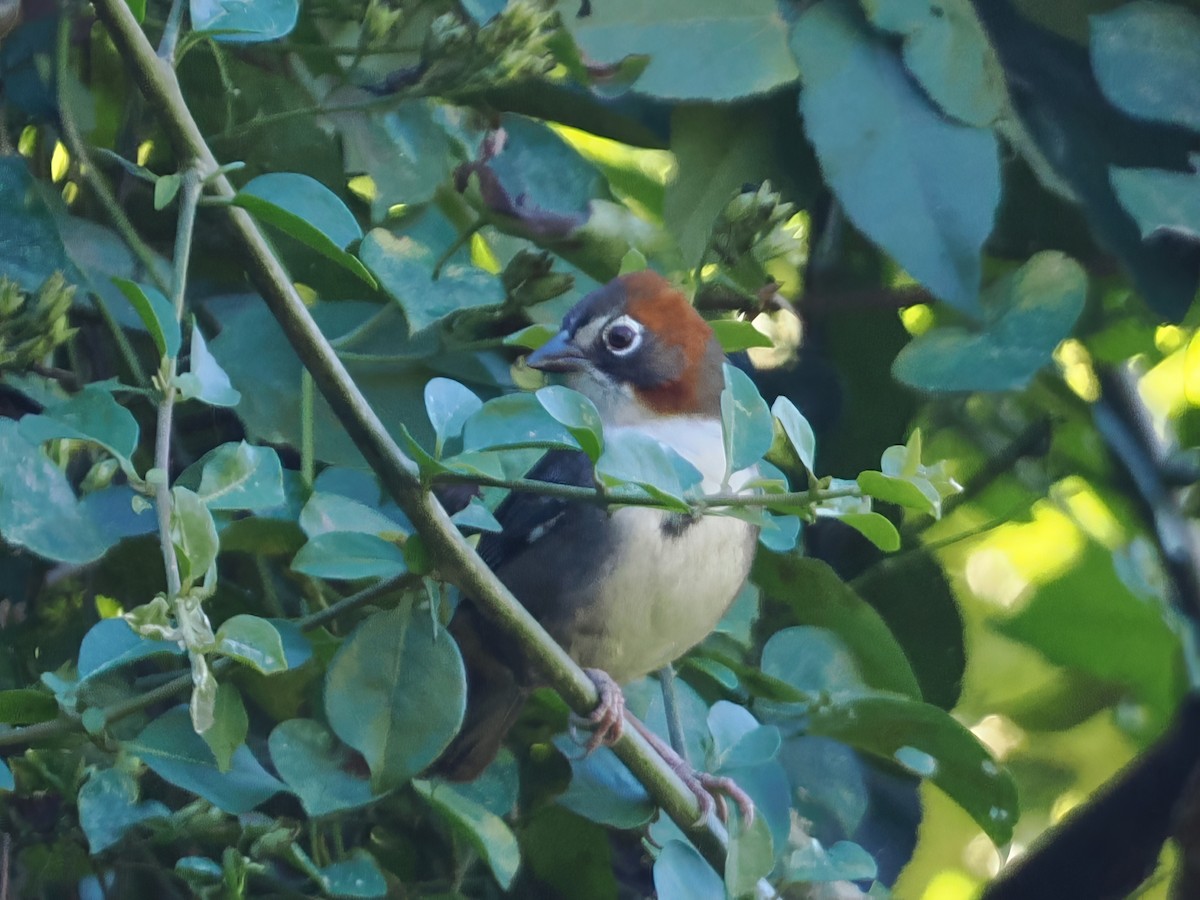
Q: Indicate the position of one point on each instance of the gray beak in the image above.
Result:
(557, 355)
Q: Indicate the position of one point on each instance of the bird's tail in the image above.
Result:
(495, 698)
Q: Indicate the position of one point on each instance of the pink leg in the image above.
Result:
(710, 790)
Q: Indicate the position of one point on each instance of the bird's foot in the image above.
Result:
(607, 721)
(710, 790)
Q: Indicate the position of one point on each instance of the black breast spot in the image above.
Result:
(674, 525)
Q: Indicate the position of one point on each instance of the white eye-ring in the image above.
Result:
(622, 335)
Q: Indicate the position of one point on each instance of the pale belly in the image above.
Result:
(667, 594)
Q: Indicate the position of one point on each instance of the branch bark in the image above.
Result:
(455, 560)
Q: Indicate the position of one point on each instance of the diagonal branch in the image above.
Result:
(455, 560)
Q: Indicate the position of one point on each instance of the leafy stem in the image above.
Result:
(792, 500)
(188, 199)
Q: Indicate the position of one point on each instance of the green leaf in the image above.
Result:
(349, 556)
(680, 873)
(1029, 313)
(325, 513)
(317, 768)
(708, 173)
(602, 789)
(1159, 200)
(303, 208)
(633, 457)
(109, 807)
(90, 415)
(355, 878)
(891, 150)
(799, 433)
(171, 747)
(449, 405)
(236, 22)
(166, 187)
(743, 46)
(577, 414)
(515, 420)
(25, 706)
(738, 740)
(238, 476)
(485, 831)
(531, 336)
(902, 731)
(844, 861)
(38, 509)
(751, 856)
(812, 660)
(947, 49)
(1145, 59)
(396, 693)
(406, 151)
(194, 534)
(735, 335)
(877, 529)
(205, 380)
(812, 594)
(111, 644)
(230, 724)
(476, 515)
(405, 267)
(745, 421)
(156, 313)
(895, 490)
(263, 366)
(253, 642)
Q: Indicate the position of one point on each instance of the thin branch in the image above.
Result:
(170, 35)
(455, 560)
(790, 501)
(189, 196)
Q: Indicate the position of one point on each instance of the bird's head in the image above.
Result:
(639, 351)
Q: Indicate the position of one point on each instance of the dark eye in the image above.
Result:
(620, 337)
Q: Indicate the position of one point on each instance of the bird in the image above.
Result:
(624, 591)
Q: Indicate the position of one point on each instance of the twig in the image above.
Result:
(189, 195)
(789, 501)
(666, 677)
